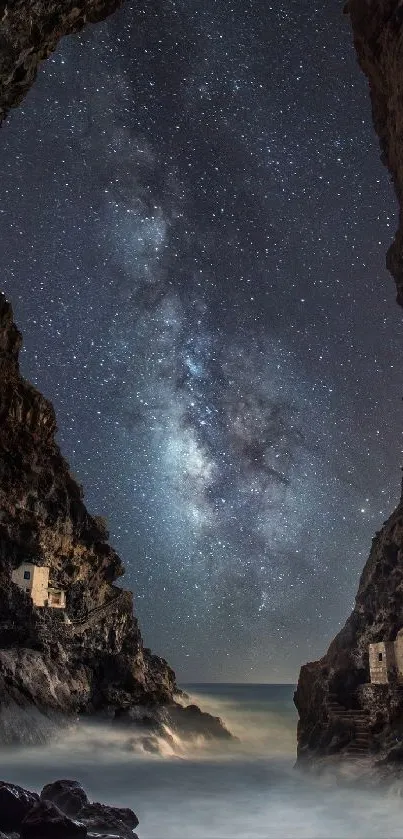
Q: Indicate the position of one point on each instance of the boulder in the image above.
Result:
(15, 804)
(68, 796)
(191, 721)
(46, 821)
(117, 821)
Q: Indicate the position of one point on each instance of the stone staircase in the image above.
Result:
(358, 721)
(95, 614)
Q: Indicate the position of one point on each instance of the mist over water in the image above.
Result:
(194, 790)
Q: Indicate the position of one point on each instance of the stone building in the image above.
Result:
(386, 661)
(34, 580)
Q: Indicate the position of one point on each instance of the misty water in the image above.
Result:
(247, 789)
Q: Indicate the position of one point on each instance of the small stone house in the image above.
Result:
(386, 661)
(34, 580)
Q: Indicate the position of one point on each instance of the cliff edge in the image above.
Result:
(73, 647)
(342, 710)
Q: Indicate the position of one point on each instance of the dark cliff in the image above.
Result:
(340, 711)
(93, 662)
(30, 31)
(334, 697)
(378, 37)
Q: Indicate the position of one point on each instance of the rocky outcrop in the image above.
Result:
(29, 32)
(61, 811)
(96, 662)
(378, 38)
(340, 712)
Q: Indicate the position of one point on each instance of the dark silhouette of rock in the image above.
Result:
(68, 796)
(15, 804)
(71, 799)
(62, 811)
(46, 821)
(114, 821)
(29, 32)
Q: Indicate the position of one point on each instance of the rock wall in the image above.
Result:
(378, 37)
(97, 661)
(335, 693)
(30, 31)
(340, 712)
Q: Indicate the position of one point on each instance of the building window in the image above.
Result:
(380, 656)
(27, 575)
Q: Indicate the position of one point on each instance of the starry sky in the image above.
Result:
(194, 219)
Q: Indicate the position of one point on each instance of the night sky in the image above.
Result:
(193, 226)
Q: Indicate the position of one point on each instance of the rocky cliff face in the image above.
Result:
(334, 696)
(378, 37)
(96, 662)
(30, 31)
(340, 711)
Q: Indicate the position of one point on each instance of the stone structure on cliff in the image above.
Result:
(97, 663)
(34, 580)
(335, 698)
(386, 661)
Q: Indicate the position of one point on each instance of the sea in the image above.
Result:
(248, 788)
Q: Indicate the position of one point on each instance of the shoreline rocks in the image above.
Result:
(61, 811)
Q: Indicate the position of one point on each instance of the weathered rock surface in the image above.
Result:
(378, 38)
(70, 798)
(30, 31)
(62, 811)
(96, 664)
(340, 712)
(15, 804)
(46, 821)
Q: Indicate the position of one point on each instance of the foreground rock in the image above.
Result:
(62, 811)
(95, 663)
(15, 804)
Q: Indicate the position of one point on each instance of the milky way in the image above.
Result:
(196, 258)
